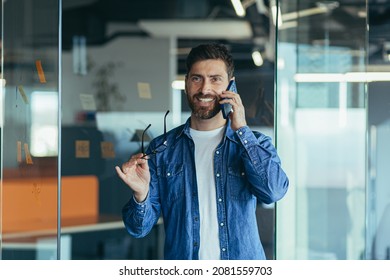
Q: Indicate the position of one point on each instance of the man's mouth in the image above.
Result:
(205, 100)
(204, 106)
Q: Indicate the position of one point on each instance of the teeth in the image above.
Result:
(205, 99)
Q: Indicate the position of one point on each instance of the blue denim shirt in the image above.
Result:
(247, 170)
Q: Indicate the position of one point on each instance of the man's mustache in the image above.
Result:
(202, 95)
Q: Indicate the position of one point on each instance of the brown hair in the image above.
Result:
(211, 51)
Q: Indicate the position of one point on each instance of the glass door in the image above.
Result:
(322, 129)
(30, 91)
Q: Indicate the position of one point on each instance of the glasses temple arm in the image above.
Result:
(165, 125)
(142, 140)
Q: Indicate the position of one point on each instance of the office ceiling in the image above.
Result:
(340, 23)
(191, 22)
(334, 23)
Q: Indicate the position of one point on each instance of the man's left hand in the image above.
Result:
(237, 116)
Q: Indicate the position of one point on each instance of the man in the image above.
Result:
(213, 172)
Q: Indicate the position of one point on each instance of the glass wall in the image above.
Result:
(75, 103)
(331, 130)
(81, 80)
(29, 129)
(121, 72)
(378, 128)
(111, 92)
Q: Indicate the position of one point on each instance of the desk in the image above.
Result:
(44, 242)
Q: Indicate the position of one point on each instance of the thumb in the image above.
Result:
(120, 173)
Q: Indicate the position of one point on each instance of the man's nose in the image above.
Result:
(206, 87)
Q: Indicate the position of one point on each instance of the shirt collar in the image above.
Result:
(185, 130)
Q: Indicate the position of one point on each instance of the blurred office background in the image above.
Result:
(81, 79)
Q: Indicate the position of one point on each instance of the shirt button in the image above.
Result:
(245, 141)
(217, 152)
(222, 224)
(220, 199)
(240, 133)
(223, 249)
(243, 173)
(217, 174)
(196, 219)
(168, 174)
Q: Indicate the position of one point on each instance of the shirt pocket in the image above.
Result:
(171, 179)
(237, 184)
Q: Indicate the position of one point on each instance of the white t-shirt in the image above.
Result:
(205, 144)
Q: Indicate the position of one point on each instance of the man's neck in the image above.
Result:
(210, 124)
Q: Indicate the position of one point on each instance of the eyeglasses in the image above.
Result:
(160, 148)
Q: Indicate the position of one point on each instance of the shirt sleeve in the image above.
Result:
(268, 181)
(139, 218)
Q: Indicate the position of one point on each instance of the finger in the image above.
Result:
(136, 156)
(146, 157)
(139, 155)
(143, 163)
(237, 99)
(230, 93)
(231, 102)
(226, 101)
(120, 173)
(127, 165)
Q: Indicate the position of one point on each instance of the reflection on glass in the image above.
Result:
(44, 124)
(321, 135)
(29, 141)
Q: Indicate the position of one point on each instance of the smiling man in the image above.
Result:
(213, 171)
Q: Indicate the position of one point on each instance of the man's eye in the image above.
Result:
(195, 79)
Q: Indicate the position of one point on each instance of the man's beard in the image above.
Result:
(203, 112)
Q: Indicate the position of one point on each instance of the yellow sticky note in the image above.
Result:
(88, 102)
(107, 149)
(144, 90)
(82, 149)
(19, 151)
(41, 74)
(23, 94)
(27, 153)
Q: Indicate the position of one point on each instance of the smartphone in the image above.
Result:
(227, 108)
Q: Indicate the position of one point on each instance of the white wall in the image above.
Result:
(145, 60)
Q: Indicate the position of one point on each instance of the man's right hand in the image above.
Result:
(135, 173)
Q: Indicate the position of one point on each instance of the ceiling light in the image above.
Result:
(195, 29)
(362, 14)
(178, 84)
(352, 77)
(304, 13)
(237, 5)
(276, 14)
(257, 58)
(289, 24)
